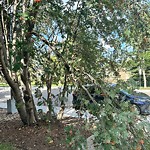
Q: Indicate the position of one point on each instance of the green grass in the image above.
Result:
(142, 88)
(6, 85)
(6, 146)
(3, 84)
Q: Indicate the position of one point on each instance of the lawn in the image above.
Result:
(6, 146)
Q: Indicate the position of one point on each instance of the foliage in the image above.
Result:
(136, 67)
(137, 36)
(74, 138)
(82, 42)
(120, 130)
(6, 146)
(117, 125)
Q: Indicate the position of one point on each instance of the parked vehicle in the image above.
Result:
(141, 101)
(79, 103)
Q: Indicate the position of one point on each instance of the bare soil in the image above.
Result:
(44, 136)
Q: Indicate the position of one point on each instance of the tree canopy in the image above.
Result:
(74, 42)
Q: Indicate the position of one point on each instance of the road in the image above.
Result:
(5, 95)
(69, 111)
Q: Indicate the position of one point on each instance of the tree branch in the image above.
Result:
(51, 45)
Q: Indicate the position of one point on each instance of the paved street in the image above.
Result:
(69, 111)
(145, 91)
(5, 95)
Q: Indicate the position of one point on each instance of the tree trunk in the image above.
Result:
(26, 110)
(49, 96)
(14, 86)
(144, 78)
(20, 105)
(32, 117)
(61, 112)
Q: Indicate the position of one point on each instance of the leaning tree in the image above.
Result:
(88, 39)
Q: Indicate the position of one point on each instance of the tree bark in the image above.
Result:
(61, 112)
(26, 110)
(49, 95)
(32, 117)
(15, 87)
(144, 78)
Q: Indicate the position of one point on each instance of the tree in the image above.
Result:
(17, 21)
(76, 42)
(137, 35)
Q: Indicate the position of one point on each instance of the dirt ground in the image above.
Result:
(39, 137)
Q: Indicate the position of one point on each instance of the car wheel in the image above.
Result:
(135, 108)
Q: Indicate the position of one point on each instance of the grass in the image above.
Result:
(4, 85)
(6, 146)
(142, 88)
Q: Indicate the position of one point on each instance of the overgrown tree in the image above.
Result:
(85, 38)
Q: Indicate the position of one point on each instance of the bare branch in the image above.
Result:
(54, 49)
(93, 100)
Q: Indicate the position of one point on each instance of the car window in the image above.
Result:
(140, 94)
